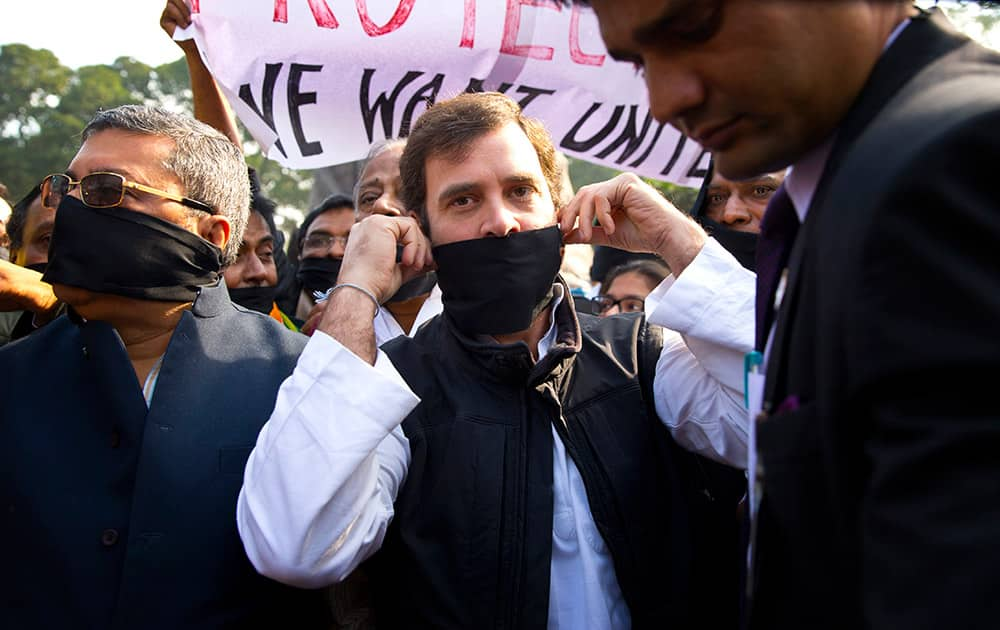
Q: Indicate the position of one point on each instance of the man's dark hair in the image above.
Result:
(653, 270)
(259, 203)
(333, 202)
(448, 129)
(18, 218)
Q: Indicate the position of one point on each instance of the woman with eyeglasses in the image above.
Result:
(625, 288)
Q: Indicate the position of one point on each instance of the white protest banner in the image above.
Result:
(317, 81)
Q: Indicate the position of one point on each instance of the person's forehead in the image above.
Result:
(256, 231)
(137, 156)
(718, 181)
(37, 214)
(499, 149)
(621, 20)
(383, 166)
(625, 283)
(335, 221)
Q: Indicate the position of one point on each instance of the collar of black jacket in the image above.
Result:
(512, 363)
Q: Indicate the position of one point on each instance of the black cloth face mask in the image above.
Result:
(131, 254)
(39, 267)
(260, 299)
(318, 274)
(417, 286)
(497, 286)
(742, 245)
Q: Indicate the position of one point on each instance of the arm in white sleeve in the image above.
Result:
(319, 487)
(708, 316)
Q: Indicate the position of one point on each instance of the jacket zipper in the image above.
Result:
(512, 607)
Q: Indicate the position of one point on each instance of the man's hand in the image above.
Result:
(314, 318)
(370, 263)
(632, 215)
(22, 289)
(370, 258)
(177, 14)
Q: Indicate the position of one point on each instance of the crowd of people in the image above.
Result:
(770, 410)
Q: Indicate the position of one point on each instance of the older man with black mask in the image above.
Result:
(731, 210)
(536, 467)
(321, 245)
(119, 470)
(377, 193)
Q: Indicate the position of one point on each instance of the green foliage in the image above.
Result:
(136, 77)
(92, 88)
(582, 173)
(35, 136)
(44, 106)
(287, 187)
(174, 81)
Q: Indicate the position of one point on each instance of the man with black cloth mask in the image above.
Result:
(119, 469)
(322, 241)
(547, 458)
(254, 278)
(731, 211)
(377, 192)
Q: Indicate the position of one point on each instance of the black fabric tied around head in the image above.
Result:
(128, 253)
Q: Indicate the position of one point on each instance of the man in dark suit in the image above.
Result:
(879, 477)
(125, 427)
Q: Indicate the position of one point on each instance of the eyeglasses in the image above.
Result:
(628, 304)
(104, 190)
(323, 241)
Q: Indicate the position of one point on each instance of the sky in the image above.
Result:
(84, 33)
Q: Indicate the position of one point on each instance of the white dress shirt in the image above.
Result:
(387, 328)
(320, 485)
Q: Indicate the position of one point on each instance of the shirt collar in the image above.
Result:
(545, 343)
(804, 175)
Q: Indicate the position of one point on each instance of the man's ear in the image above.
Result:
(215, 229)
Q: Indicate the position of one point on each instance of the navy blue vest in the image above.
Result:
(112, 516)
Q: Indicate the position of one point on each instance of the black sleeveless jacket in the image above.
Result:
(470, 544)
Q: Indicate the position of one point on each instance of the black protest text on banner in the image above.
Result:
(390, 96)
(296, 99)
(634, 141)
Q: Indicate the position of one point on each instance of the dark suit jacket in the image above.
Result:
(115, 517)
(881, 504)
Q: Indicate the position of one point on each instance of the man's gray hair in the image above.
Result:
(374, 151)
(210, 167)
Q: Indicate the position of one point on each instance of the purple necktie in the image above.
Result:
(777, 234)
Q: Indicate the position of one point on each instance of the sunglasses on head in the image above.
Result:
(104, 190)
